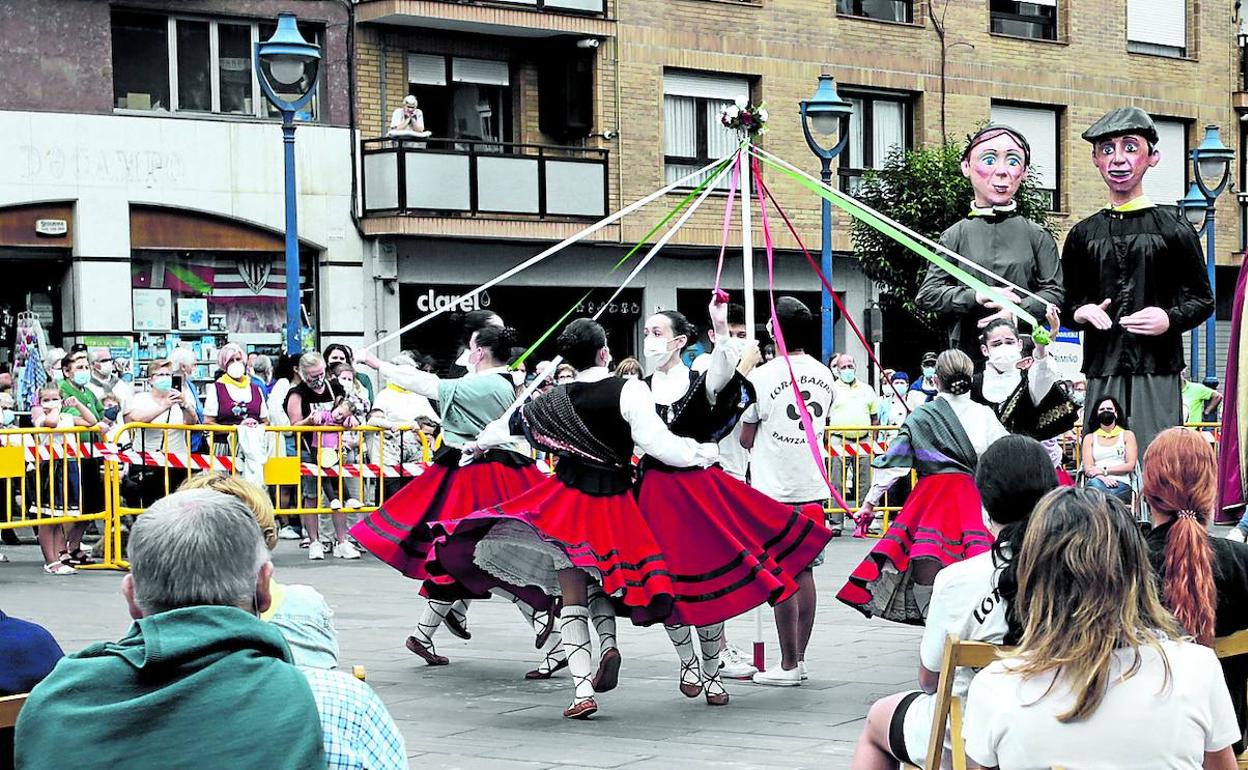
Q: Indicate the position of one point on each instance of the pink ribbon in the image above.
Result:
(808, 425)
(723, 245)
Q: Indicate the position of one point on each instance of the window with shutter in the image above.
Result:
(879, 123)
(1166, 182)
(1040, 126)
(692, 133)
(1157, 27)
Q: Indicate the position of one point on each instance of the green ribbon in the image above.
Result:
(889, 228)
(712, 176)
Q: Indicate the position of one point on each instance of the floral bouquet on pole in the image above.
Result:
(748, 120)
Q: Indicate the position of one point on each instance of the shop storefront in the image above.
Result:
(200, 281)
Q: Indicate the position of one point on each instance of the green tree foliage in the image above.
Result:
(923, 189)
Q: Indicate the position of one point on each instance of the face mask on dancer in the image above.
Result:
(656, 352)
(1005, 357)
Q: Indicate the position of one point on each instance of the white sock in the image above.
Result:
(682, 640)
(459, 609)
(554, 645)
(710, 638)
(603, 613)
(574, 626)
(430, 620)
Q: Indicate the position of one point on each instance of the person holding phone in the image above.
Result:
(166, 402)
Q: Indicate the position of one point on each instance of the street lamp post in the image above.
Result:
(1211, 166)
(288, 67)
(1195, 209)
(822, 114)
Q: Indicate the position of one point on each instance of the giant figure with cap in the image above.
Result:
(1135, 281)
(995, 237)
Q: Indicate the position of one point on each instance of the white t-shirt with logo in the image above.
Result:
(1143, 723)
(964, 603)
(781, 464)
(153, 440)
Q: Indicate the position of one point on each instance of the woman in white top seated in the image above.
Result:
(1100, 679)
(971, 599)
(1110, 451)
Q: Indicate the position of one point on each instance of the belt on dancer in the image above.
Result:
(449, 456)
(594, 478)
(648, 463)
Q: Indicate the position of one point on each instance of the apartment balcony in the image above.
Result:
(459, 187)
(522, 18)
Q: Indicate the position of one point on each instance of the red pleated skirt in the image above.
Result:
(604, 535)
(729, 548)
(941, 523)
(398, 532)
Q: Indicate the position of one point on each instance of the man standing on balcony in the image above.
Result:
(1135, 281)
(996, 160)
(408, 122)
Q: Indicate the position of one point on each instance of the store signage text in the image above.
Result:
(93, 165)
(431, 300)
(51, 227)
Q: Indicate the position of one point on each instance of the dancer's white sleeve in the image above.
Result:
(882, 479)
(653, 437)
(1041, 378)
(724, 361)
(411, 378)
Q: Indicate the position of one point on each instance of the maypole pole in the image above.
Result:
(747, 237)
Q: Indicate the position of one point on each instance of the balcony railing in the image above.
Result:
(468, 177)
(556, 6)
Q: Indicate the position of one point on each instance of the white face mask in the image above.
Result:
(656, 352)
(463, 360)
(1004, 357)
(236, 369)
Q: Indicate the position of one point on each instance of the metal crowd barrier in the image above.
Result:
(54, 477)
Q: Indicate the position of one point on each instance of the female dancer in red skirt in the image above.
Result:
(751, 548)
(942, 520)
(398, 533)
(583, 524)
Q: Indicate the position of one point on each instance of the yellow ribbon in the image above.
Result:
(396, 388)
(1117, 429)
(228, 380)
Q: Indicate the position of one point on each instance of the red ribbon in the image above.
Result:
(812, 439)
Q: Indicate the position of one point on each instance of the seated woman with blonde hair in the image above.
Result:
(300, 612)
(1102, 677)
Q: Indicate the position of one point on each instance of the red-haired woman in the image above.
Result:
(1204, 580)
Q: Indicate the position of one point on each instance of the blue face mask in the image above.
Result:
(7, 417)
(111, 413)
(82, 378)
(163, 382)
(848, 376)
(929, 371)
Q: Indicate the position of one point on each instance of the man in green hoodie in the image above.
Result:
(199, 679)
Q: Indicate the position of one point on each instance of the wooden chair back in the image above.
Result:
(1229, 647)
(958, 654)
(10, 705)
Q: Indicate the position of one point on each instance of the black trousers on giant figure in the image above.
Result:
(1153, 402)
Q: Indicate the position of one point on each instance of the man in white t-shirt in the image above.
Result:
(783, 468)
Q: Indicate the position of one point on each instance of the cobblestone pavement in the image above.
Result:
(480, 713)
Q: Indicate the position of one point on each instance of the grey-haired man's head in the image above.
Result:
(196, 548)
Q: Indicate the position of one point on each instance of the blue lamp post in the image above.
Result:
(822, 115)
(1195, 207)
(1211, 166)
(287, 67)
